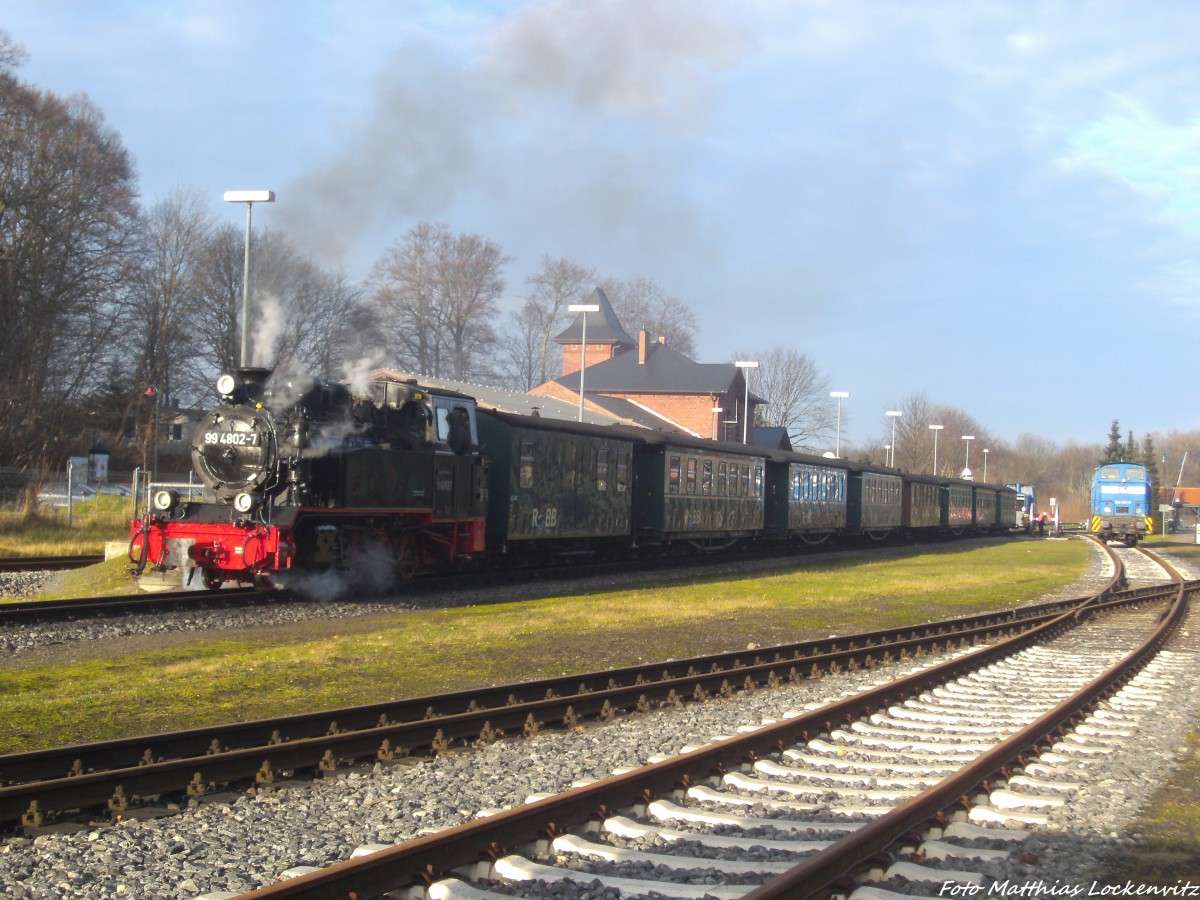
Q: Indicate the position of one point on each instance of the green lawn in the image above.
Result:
(89, 693)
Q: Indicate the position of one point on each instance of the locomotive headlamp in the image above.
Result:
(165, 501)
(245, 502)
(226, 385)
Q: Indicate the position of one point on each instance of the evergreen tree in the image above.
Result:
(1150, 461)
(1112, 453)
(1130, 451)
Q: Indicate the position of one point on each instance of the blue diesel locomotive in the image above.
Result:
(1121, 498)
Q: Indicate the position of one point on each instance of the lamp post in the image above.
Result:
(717, 410)
(839, 396)
(249, 198)
(985, 453)
(744, 365)
(893, 414)
(967, 438)
(584, 308)
(935, 429)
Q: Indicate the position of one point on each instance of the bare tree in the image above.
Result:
(216, 323)
(551, 289)
(163, 298)
(406, 284)
(12, 54)
(519, 356)
(470, 284)
(302, 317)
(797, 396)
(67, 221)
(436, 293)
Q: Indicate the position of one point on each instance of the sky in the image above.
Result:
(995, 204)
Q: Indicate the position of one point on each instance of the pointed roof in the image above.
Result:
(603, 327)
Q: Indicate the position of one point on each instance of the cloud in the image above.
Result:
(544, 114)
(1158, 159)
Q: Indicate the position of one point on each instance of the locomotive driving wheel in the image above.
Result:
(211, 579)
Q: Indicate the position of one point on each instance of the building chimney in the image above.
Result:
(642, 347)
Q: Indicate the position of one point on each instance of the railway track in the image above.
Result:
(24, 612)
(48, 563)
(918, 767)
(37, 786)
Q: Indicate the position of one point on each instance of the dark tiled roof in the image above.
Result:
(665, 371)
(603, 327)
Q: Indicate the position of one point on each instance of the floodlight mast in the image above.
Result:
(249, 198)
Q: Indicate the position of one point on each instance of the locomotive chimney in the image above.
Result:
(255, 380)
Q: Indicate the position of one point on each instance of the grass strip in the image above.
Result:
(189, 680)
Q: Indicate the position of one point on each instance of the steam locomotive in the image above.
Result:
(301, 476)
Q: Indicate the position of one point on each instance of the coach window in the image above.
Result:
(602, 469)
(691, 475)
(795, 484)
(526, 464)
(706, 478)
(758, 481)
(722, 478)
(746, 480)
(622, 471)
(673, 476)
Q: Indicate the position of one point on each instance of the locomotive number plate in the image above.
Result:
(232, 438)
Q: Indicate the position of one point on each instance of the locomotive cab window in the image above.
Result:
(454, 423)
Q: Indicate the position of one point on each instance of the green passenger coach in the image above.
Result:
(555, 483)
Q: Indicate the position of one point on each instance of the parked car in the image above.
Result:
(55, 494)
